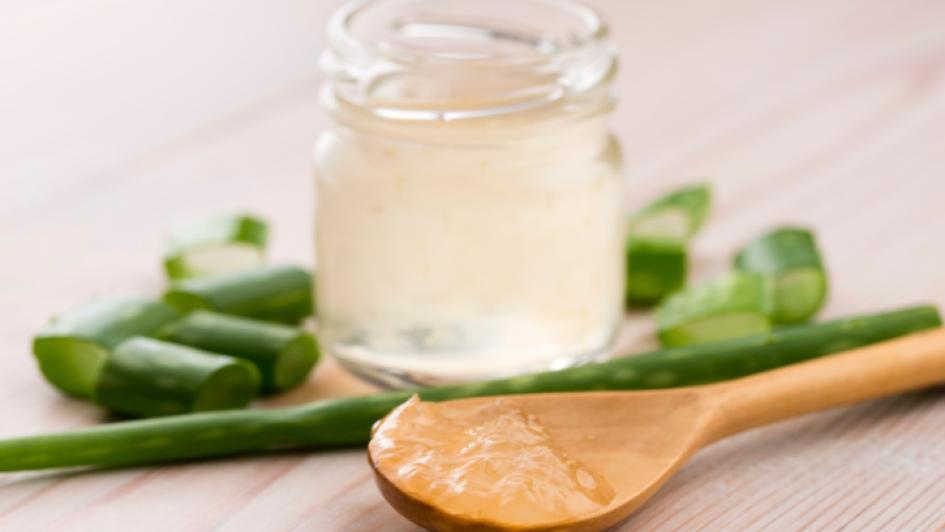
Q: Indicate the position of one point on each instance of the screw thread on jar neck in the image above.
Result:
(422, 61)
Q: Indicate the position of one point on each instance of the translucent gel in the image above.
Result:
(491, 462)
(469, 211)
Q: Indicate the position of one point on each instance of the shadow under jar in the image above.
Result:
(469, 214)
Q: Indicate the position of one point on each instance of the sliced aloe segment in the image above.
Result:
(283, 355)
(222, 243)
(656, 243)
(655, 268)
(678, 215)
(789, 255)
(145, 377)
(275, 293)
(72, 348)
(737, 304)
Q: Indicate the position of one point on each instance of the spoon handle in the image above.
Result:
(908, 363)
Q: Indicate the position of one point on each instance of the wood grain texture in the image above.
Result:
(824, 112)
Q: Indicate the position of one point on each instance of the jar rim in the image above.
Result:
(343, 36)
(535, 53)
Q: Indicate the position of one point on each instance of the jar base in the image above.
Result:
(366, 366)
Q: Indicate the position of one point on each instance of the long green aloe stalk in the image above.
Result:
(347, 421)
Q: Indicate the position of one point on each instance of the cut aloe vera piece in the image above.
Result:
(275, 293)
(790, 257)
(284, 355)
(72, 348)
(213, 245)
(655, 268)
(676, 216)
(737, 304)
(145, 377)
(656, 243)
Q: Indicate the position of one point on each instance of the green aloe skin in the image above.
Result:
(284, 355)
(237, 240)
(790, 258)
(348, 421)
(280, 293)
(657, 239)
(678, 215)
(145, 377)
(96, 351)
(730, 306)
(74, 346)
(655, 268)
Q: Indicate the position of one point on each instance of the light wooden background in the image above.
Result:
(116, 117)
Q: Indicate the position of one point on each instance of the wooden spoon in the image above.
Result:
(637, 440)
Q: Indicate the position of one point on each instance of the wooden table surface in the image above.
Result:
(118, 117)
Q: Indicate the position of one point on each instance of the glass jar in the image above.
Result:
(469, 216)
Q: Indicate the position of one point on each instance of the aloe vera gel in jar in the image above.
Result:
(469, 201)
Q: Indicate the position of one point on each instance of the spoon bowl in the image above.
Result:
(637, 440)
(666, 427)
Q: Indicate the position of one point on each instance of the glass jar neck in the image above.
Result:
(508, 65)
